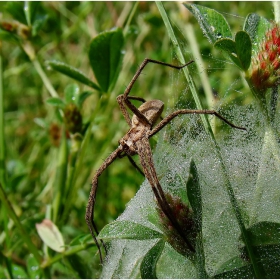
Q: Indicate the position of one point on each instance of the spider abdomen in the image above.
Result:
(151, 110)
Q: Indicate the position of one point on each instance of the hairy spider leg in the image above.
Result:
(124, 99)
(123, 109)
(137, 98)
(91, 201)
(170, 117)
(145, 154)
(133, 163)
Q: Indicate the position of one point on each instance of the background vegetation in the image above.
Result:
(33, 130)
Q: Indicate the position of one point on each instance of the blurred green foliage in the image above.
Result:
(63, 31)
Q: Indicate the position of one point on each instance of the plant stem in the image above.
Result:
(257, 268)
(71, 251)
(7, 205)
(61, 175)
(3, 175)
(189, 31)
(127, 24)
(74, 151)
(79, 164)
(44, 78)
(190, 34)
(182, 61)
(2, 133)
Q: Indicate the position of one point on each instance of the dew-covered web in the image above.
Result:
(251, 168)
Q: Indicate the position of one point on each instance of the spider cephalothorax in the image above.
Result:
(139, 129)
(136, 141)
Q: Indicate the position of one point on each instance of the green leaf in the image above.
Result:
(79, 265)
(242, 272)
(30, 8)
(265, 233)
(72, 73)
(105, 57)
(173, 265)
(200, 257)
(33, 268)
(51, 235)
(18, 272)
(212, 23)
(15, 8)
(243, 49)
(256, 26)
(55, 101)
(127, 230)
(72, 93)
(81, 239)
(234, 266)
(227, 45)
(268, 257)
(8, 36)
(239, 50)
(265, 239)
(194, 197)
(148, 265)
(82, 97)
(39, 23)
(194, 194)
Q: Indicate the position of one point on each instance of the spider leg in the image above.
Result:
(136, 98)
(91, 201)
(132, 162)
(124, 99)
(142, 66)
(170, 117)
(135, 165)
(124, 111)
(122, 103)
(145, 154)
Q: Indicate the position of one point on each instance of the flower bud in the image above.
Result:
(72, 118)
(184, 216)
(265, 65)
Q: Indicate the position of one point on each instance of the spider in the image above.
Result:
(136, 141)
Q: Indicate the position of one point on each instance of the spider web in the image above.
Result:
(251, 167)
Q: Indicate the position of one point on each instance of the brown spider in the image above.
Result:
(136, 141)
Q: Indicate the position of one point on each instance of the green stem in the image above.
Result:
(44, 78)
(3, 175)
(2, 132)
(26, 237)
(257, 268)
(8, 210)
(131, 14)
(190, 33)
(79, 164)
(73, 250)
(74, 151)
(61, 175)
